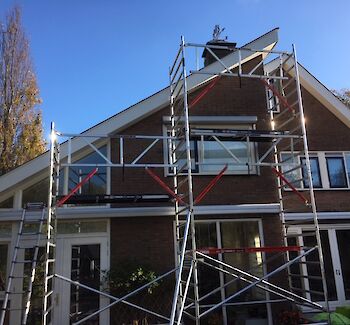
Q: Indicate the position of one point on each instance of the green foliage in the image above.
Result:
(21, 133)
(129, 276)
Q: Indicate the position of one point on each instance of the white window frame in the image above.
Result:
(218, 222)
(199, 148)
(324, 175)
(331, 230)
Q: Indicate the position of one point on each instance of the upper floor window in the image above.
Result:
(210, 154)
(336, 172)
(96, 184)
(329, 170)
(39, 191)
(315, 172)
(7, 203)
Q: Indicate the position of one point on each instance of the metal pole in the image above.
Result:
(50, 213)
(309, 177)
(282, 267)
(190, 187)
(125, 297)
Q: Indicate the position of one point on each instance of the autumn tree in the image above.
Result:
(21, 133)
(343, 95)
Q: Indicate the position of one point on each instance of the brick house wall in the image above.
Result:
(325, 132)
(150, 240)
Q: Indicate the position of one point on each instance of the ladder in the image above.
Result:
(294, 178)
(24, 224)
(51, 229)
(180, 157)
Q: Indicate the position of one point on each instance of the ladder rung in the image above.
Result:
(307, 234)
(311, 277)
(35, 206)
(179, 184)
(284, 186)
(309, 291)
(13, 309)
(291, 93)
(34, 221)
(49, 293)
(51, 260)
(288, 83)
(298, 222)
(289, 69)
(309, 262)
(24, 261)
(30, 233)
(291, 119)
(16, 293)
(48, 310)
(292, 169)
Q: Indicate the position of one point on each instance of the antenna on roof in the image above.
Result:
(217, 32)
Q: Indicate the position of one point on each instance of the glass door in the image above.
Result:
(335, 244)
(83, 260)
(343, 268)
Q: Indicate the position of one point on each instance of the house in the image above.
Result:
(126, 223)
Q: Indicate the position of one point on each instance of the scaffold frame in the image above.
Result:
(188, 256)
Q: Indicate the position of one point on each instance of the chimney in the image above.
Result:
(227, 47)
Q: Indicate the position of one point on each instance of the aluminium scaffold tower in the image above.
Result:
(291, 158)
(287, 157)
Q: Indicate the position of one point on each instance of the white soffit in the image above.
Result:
(318, 90)
(138, 111)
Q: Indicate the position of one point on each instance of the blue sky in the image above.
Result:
(94, 58)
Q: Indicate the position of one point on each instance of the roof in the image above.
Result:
(159, 100)
(137, 111)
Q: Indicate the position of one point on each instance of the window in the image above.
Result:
(215, 154)
(96, 184)
(210, 154)
(315, 172)
(7, 204)
(3, 266)
(336, 172)
(329, 170)
(231, 234)
(36, 193)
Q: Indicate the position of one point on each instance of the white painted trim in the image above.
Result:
(321, 215)
(103, 212)
(137, 112)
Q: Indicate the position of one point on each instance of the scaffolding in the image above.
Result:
(287, 155)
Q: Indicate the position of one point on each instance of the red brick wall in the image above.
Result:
(325, 133)
(229, 97)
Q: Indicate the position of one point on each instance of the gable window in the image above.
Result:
(336, 172)
(38, 192)
(7, 203)
(96, 184)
